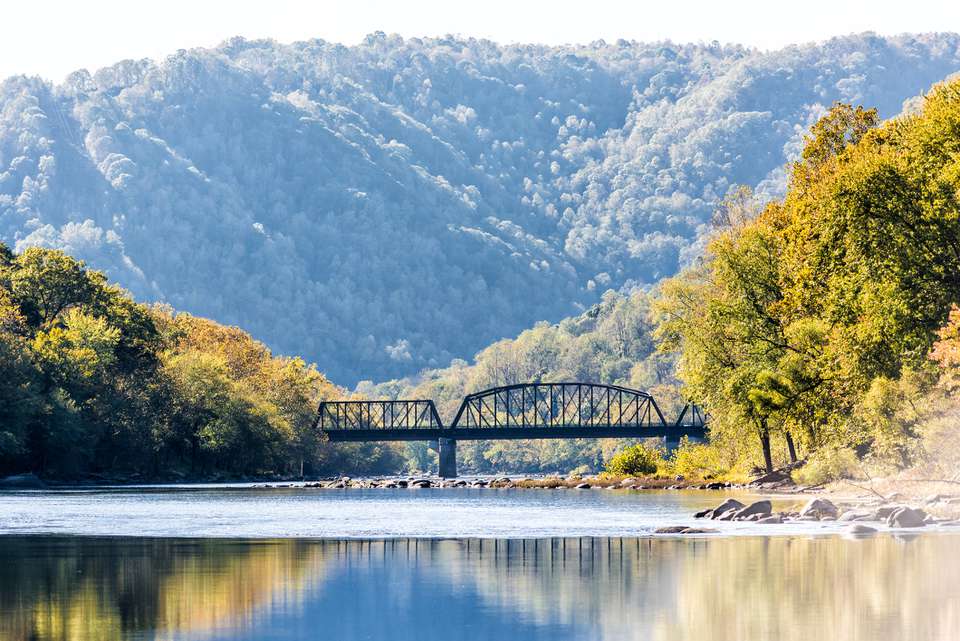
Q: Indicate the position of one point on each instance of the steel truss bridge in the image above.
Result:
(523, 411)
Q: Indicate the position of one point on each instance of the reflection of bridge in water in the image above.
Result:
(524, 411)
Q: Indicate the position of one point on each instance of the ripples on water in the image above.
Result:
(888, 587)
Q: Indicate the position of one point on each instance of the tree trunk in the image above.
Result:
(765, 442)
(791, 448)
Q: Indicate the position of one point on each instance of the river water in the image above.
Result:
(243, 563)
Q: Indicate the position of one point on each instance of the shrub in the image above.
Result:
(636, 460)
(696, 460)
(827, 464)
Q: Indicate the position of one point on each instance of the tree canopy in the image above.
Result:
(797, 320)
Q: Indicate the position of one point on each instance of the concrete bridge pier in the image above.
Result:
(448, 458)
(671, 443)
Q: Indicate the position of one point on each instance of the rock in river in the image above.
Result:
(853, 515)
(761, 508)
(683, 529)
(726, 506)
(819, 508)
(860, 529)
(907, 517)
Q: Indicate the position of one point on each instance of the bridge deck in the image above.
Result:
(514, 433)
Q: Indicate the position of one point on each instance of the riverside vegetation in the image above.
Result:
(819, 330)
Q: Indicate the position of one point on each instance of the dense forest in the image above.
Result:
(387, 207)
(95, 385)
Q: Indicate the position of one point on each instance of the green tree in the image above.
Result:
(46, 282)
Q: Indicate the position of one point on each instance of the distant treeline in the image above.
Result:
(94, 383)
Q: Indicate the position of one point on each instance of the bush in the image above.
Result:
(697, 461)
(635, 461)
(827, 464)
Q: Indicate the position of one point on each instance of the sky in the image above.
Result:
(54, 37)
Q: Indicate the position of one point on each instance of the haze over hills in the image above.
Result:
(387, 207)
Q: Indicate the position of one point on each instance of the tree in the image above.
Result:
(46, 282)
(722, 319)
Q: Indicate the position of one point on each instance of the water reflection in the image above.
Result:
(60, 588)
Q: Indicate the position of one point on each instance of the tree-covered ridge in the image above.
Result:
(96, 384)
(386, 207)
(819, 320)
(610, 343)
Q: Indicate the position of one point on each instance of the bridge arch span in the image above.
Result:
(558, 405)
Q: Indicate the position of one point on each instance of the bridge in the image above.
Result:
(523, 411)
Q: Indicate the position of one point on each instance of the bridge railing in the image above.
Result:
(363, 415)
(558, 405)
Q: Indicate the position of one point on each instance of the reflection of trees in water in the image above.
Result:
(722, 589)
(820, 588)
(730, 589)
(66, 589)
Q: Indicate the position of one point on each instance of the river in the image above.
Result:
(244, 563)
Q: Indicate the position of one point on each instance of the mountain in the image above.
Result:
(387, 207)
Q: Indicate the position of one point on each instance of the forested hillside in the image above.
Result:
(94, 385)
(386, 207)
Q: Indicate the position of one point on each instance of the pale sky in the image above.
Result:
(54, 37)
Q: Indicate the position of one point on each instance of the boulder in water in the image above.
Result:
(758, 509)
(819, 508)
(726, 506)
(860, 529)
(907, 517)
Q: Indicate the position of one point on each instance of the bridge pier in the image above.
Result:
(671, 442)
(448, 458)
